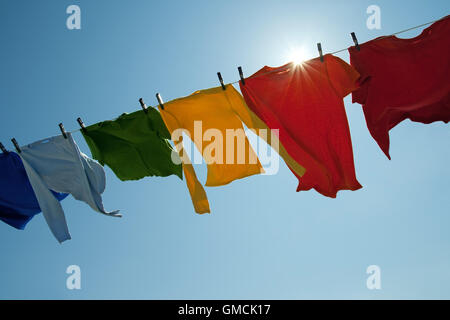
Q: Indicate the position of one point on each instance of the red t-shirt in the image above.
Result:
(404, 79)
(305, 103)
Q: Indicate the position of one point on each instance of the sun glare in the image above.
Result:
(296, 55)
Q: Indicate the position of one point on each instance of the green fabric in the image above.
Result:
(134, 145)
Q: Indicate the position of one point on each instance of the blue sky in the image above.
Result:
(262, 240)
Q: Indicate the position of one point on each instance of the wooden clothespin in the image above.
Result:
(80, 122)
(319, 47)
(63, 131)
(355, 41)
(221, 80)
(16, 145)
(2, 147)
(160, 101)
(143, 105)
(241, 75)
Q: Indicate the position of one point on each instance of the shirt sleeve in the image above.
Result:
(196, 190)
(357, 62)
(92, 179)
(343, 77)
(50, 206)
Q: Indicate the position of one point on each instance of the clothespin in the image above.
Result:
(2, 147)
(16, 145)
(63, 131)
(241, 75)
(143, 106)
(221, 80)
(355, 41)
(80, 122)
(160, 101)
(319, 47)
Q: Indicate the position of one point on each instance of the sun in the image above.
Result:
(296, 55)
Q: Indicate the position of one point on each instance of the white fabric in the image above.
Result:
(56, 163)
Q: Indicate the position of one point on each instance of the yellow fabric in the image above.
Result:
(215, 108)
(252, 121)
(198, 194)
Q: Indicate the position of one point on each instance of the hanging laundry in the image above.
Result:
(56, 163)
(134, 146)
(207, 115)
(305, 103)
(404, 79)
(253, 122)
(18, 203)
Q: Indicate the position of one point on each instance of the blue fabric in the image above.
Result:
(18, 203)
(56, 163)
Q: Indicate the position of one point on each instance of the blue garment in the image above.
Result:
(18, 203)
(57, 164)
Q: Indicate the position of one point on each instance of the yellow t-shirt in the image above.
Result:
(208, 118)
(212, 119)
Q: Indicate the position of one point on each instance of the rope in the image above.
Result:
(342, 50)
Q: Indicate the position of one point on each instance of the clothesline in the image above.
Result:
(341, 50)
(408, 80)
(393, 34)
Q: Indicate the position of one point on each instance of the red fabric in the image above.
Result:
(404, 79)
(305, 103)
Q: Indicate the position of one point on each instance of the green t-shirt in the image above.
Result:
(134, 146)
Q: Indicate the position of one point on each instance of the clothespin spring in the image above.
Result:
(143, 105)
(241, 75)
(355, 41)
(63, 131)
(319, 47)
(16, 145)
(160, 101)
(2, 147)
(221, 80)
(80, 122)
